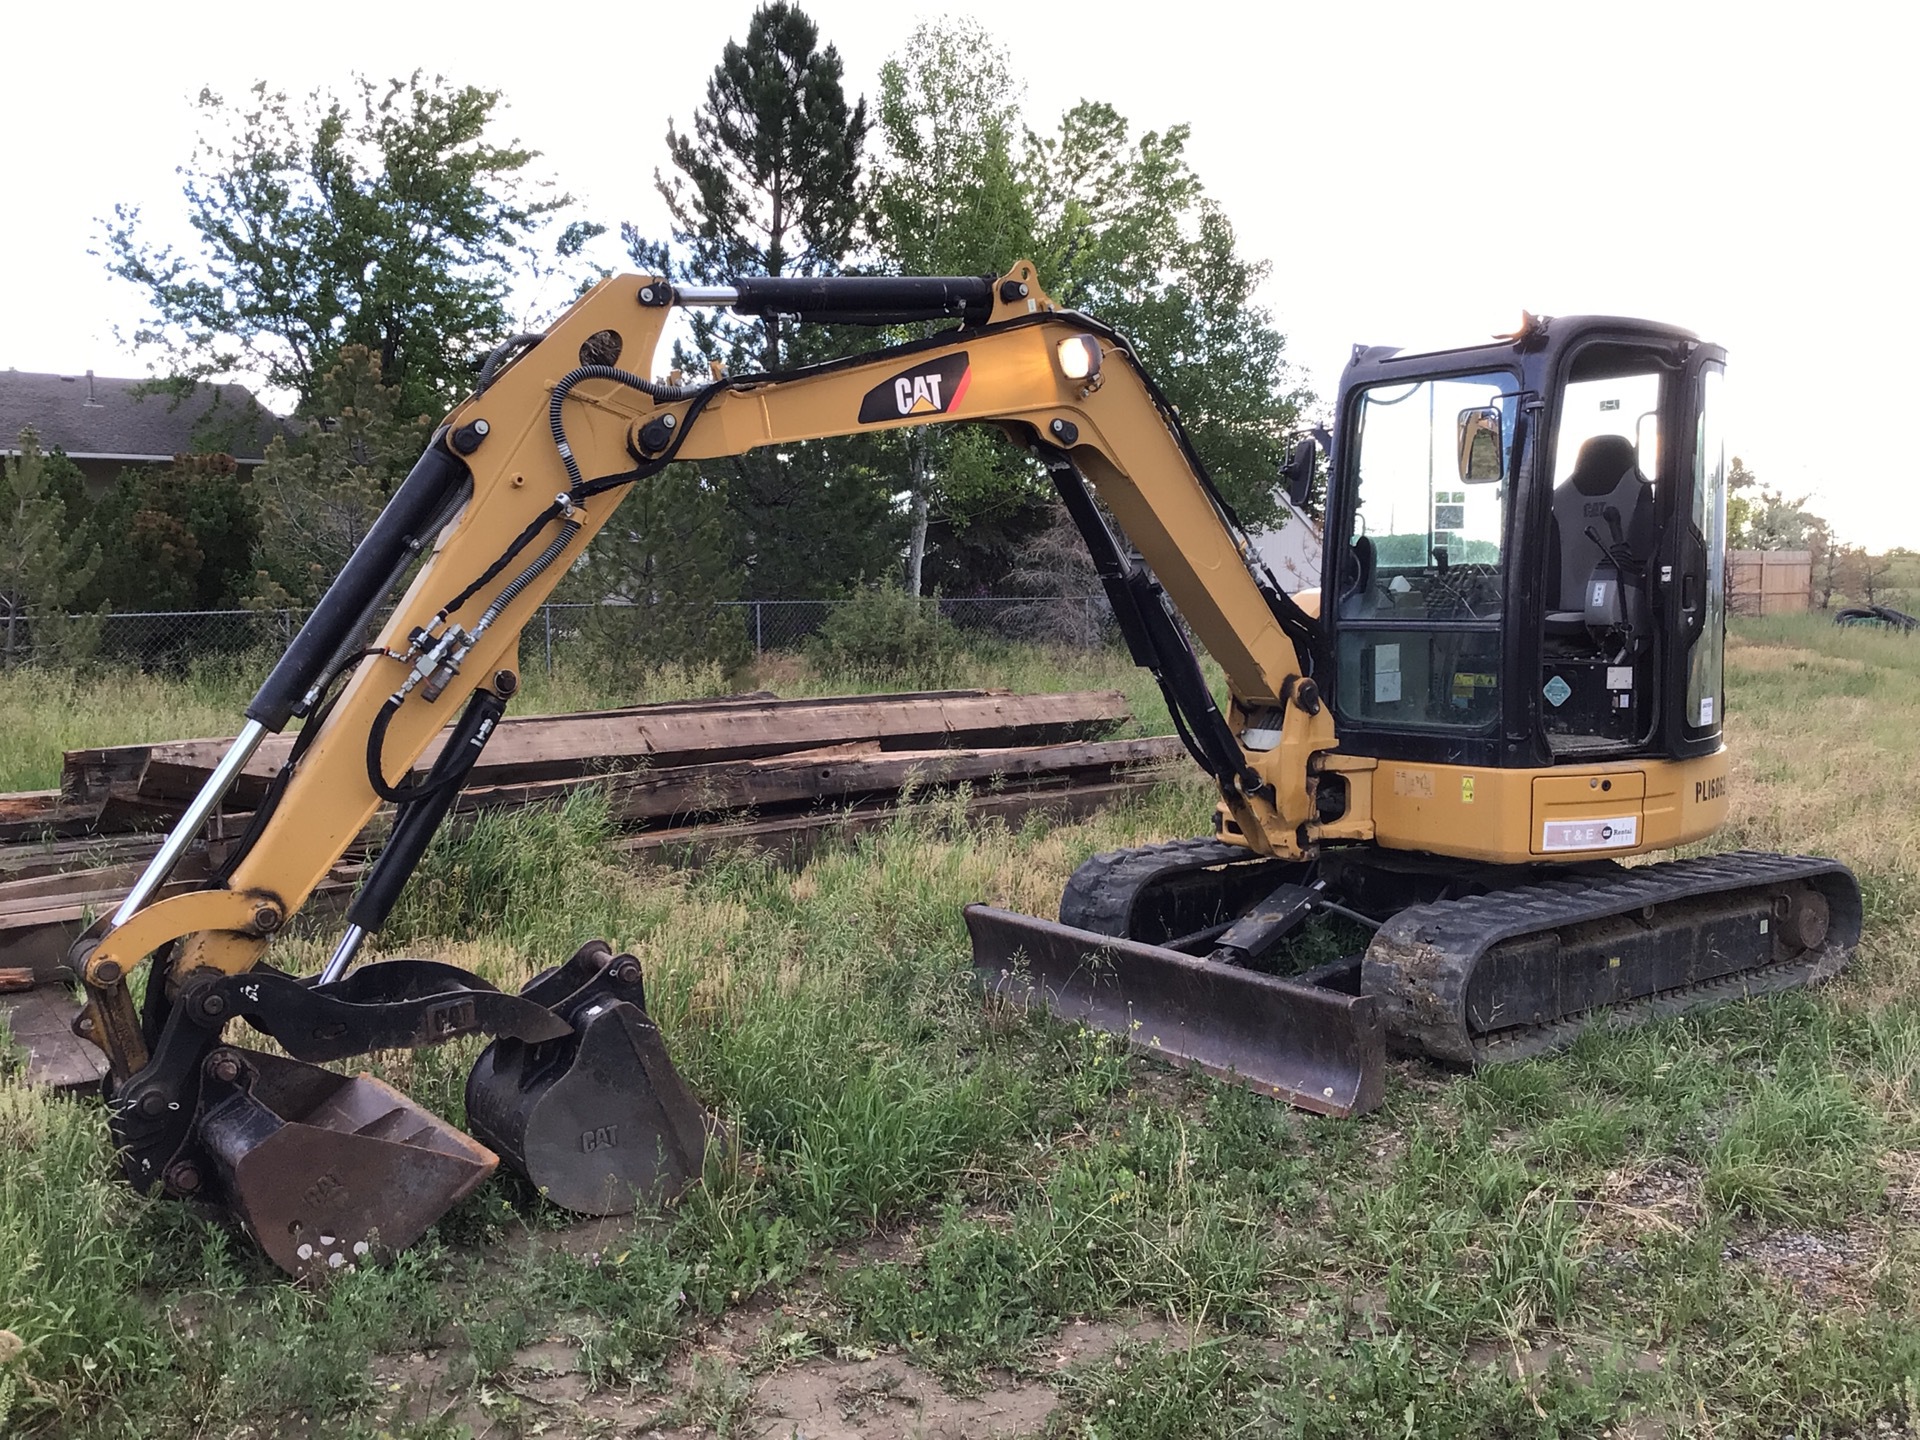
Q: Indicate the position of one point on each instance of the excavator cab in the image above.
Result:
(1527, 548)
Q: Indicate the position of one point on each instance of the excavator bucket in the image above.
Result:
(1309, 1045)
(324, 1168)
(576, 1092)
(599, 1120)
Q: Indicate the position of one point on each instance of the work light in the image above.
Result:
(1080, 357)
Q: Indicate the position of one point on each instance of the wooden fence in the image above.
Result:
(1769, 582)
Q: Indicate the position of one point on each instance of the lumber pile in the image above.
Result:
(683, 781)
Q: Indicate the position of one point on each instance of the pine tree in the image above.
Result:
(179, 538)
(657, 578)
(768, 183)
(43, 563)
(769, 179)
(319, 493)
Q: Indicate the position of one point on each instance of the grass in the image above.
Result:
(1601, 1242)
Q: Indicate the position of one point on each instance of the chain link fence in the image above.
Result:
(173, 640)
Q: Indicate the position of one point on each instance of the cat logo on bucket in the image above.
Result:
(932, 388)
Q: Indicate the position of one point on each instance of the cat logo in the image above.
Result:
(933, 388)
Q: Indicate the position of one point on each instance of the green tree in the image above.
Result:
(387, 219)
(319, 492)
(1775, 521)
(1869, 577)
(768, 183)
(1832, 559)
(1740, 504)
(950, 200)
(44, 562)
(1127, 233)
(1119, 226)
(179, 538)
(657, 576)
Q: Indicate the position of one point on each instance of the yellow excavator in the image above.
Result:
(1508, 682)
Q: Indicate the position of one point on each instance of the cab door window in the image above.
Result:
(1421, 584)
(1704, 709)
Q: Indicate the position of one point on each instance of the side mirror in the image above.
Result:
(1482, 454)
(1299, 471)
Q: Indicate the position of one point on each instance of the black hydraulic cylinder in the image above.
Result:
(401, 532)
(416, 821)
(1154, 641)
(868, 299)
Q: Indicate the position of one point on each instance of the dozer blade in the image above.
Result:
(1315, 1048)
(600, 1120)
(325, 1168)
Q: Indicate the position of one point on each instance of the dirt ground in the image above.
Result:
(726, 1383)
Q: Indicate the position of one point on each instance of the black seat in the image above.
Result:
(1605, 476)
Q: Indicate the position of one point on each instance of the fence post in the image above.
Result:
(546, 612)
(759, 638)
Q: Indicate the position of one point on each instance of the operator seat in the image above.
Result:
(1606, 474)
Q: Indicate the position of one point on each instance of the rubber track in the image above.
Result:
(1100, 897)
(1420, 962)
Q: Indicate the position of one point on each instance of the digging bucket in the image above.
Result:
(325, 1169)
(1311, 1046)
(600, 1120)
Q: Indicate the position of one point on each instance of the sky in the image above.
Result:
(1412, 172)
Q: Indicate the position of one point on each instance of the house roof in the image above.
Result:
(99, 418)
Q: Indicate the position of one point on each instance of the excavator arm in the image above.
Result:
(524, 473)
(513, 488)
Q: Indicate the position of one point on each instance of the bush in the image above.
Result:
(620, 647)
(892, 635)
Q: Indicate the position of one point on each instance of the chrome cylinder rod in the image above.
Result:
(343, 954)
(196, 814)
(716, 295)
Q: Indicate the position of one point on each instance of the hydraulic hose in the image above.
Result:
(377, 732)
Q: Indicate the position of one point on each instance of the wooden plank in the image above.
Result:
(32, 890)
(790, 839)
(21, 861)
(783, 782)
(41, 1023)
(90, 776)
(552, 747)
(28, 815)
(36, 931)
